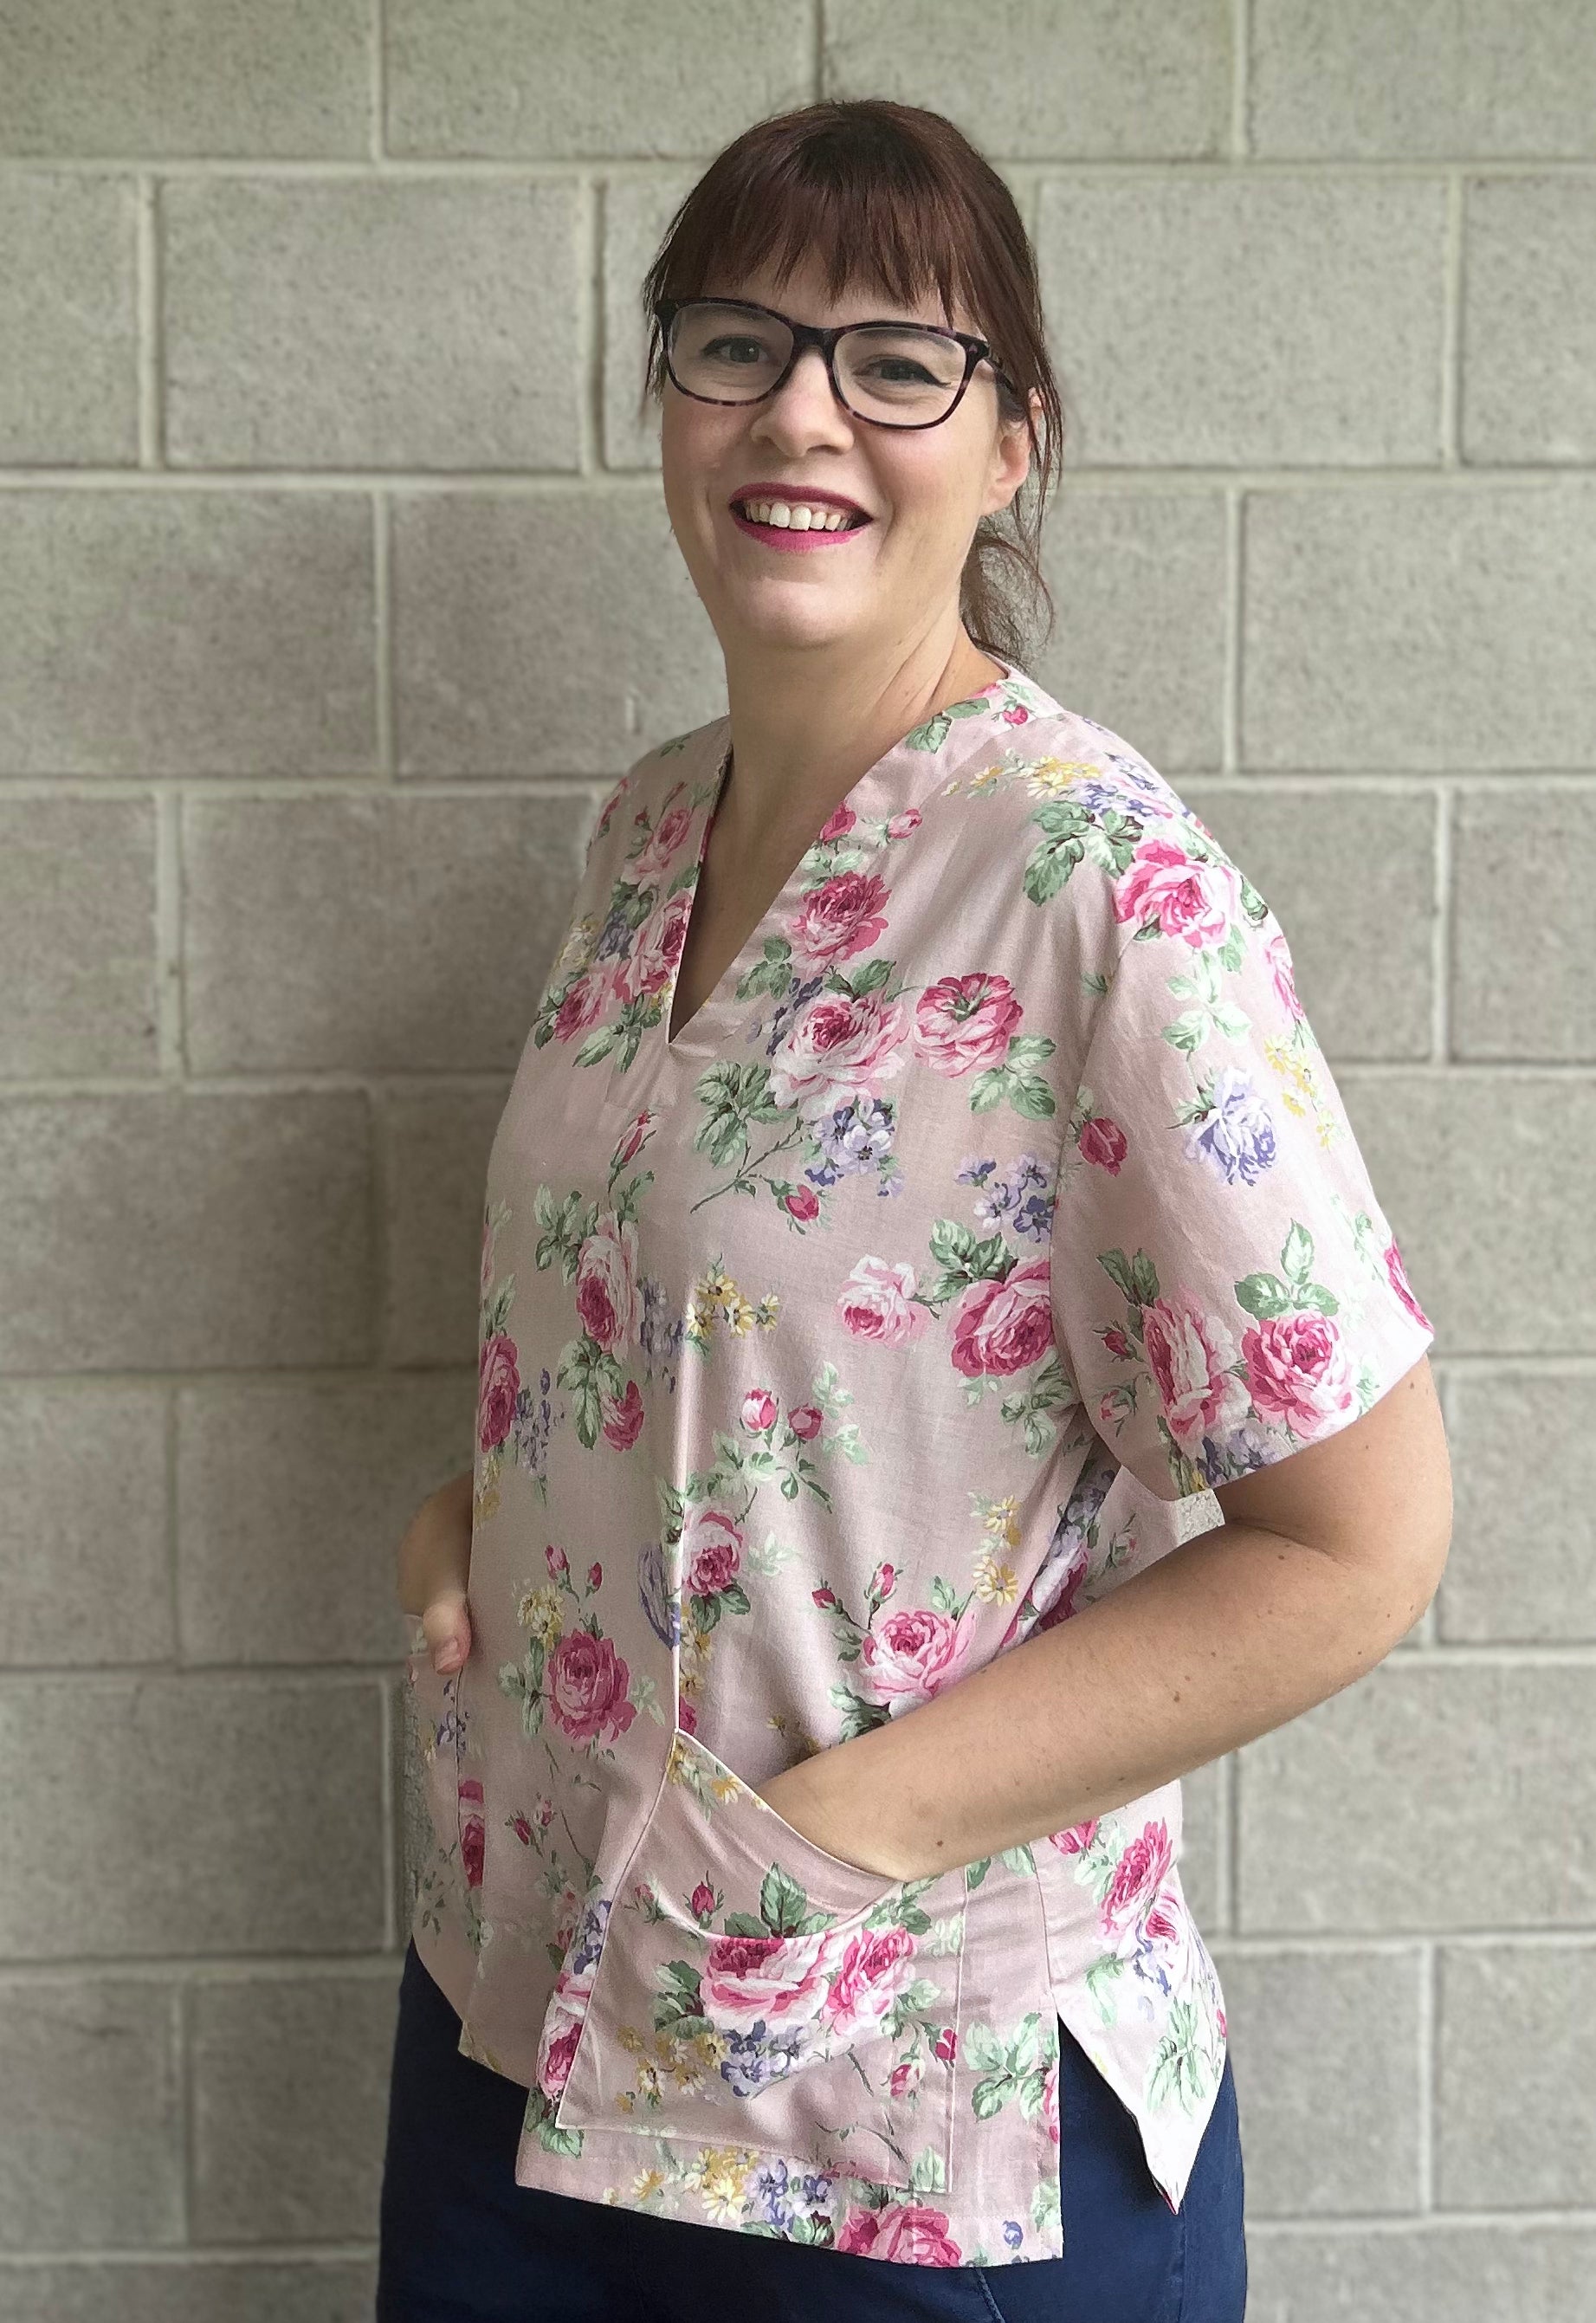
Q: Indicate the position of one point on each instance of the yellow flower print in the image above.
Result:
(718, 2175)
(539, 1613)
(1000, 1519)
(484, 1500)
(716, 1297)
(578, 947)
(994, 1584)
(1047, 777)
(1302, 1095)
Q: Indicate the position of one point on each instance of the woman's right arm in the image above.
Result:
(435, 1570)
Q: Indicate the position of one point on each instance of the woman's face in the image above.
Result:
(924, 489)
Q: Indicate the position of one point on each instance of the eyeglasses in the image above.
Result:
(892, 374)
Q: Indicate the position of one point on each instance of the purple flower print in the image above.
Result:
(1017, 1197)
(588, 1941)
(756, 2059)
(779, 2197)
(855, 1138)
(660, 1602)
(1235, 1136)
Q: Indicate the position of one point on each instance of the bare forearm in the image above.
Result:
(1225, 1638)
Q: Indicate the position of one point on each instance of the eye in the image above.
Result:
(715, 348)
(904, 371)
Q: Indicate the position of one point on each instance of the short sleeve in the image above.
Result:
(1226, 1288)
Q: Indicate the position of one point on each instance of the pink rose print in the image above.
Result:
(522, 1829)
(1050, 2101)
(703, 1901)
(582, 1006)
(632, 1137)
(759, 1409)
(806, 1420)
(842, 917)
(910, 2232)
(656, 948)
(838, 824)
(906, 2076)
(473, 1830)
(1300, 1372)
(899, 826)
(914, 1653)
(1076, 1839)
(777, 1978)
(1193, 900)
(658, 849)
(1398, 1275)
(876, 1302)
(1163, 1923)
(1189, 1352)
(498, 1383)
(1016, 714)
(623, 1419)
(1278, 953)
(607, 1300)
(562, 2029)
(964, 1021)
(836, 1047)
(1001, 1327)
(801, 1203)
(556, 1560)
(711, 1551)
(1103, 1144)
(946, 2044)
(587, 1682)
(1138, 1876)
(876, 1965)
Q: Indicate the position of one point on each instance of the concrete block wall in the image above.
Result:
(335, 587)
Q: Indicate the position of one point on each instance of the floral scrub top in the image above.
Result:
(998, 1196)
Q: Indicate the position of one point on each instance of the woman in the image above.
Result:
(920, 1175)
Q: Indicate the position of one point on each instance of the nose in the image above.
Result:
(805, 405)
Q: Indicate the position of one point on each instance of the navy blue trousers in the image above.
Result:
(462, 2243)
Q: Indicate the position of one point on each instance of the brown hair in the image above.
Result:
(896, 197)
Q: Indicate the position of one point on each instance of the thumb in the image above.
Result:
(446, 1624)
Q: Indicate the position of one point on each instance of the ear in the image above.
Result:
(1012, 461)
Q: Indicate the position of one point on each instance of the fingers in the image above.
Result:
(446, 1623)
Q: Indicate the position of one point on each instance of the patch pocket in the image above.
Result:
(755, 1990)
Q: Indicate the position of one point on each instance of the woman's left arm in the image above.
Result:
(1326, 1560)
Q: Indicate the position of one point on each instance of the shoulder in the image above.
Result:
(1079, 821)
(631, 807)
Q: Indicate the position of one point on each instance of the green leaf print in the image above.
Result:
(1015, 2067)
(1265, 1295)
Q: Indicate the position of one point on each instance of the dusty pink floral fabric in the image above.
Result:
(997, 1198)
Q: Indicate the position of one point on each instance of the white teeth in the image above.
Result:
(795, 516)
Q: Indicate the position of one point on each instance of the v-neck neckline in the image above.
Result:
(897, 780)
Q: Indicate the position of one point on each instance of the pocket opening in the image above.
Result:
(752, 1991)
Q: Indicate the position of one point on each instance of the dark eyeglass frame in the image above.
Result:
(810, 335)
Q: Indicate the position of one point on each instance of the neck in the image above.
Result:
(801, 740)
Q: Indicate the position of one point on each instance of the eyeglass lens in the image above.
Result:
(731, 357)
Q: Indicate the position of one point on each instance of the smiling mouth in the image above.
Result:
(852, 520)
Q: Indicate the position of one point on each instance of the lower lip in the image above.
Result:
(782, 537)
